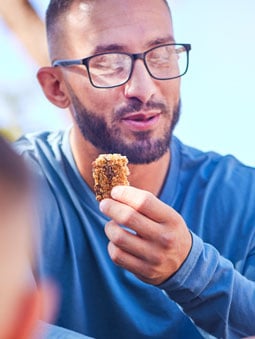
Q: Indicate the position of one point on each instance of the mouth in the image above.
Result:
(141, 121)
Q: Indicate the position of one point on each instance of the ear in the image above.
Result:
(52, 83)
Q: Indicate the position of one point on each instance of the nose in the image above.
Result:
(141, 85)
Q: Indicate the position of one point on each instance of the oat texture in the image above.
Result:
(109, 170)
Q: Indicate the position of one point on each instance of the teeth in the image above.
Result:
(140, 118)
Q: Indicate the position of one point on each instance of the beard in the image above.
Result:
(143, 149)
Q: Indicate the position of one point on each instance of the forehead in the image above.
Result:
(131, 23)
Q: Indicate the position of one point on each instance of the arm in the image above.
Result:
(217, 297)
(159, 251)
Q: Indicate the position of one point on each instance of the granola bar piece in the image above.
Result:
(109, 170)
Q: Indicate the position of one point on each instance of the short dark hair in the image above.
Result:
(56, 9)
(12, 167)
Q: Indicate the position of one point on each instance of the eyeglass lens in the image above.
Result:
(110, 69)
(113, 69)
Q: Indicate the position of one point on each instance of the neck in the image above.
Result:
(149, 177)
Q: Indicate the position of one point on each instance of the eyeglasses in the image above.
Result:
(112, 69)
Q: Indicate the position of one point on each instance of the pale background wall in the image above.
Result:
(219, 90)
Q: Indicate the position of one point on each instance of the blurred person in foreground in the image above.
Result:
(171, 256)
(22, 303)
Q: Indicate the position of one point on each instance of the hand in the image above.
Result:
(159, 241)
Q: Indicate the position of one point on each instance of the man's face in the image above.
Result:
(137, 118)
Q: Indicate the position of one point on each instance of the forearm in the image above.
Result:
(210, 291)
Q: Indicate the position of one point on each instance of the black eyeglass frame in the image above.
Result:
(133, 56)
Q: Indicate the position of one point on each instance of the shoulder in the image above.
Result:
(43, 155)
(40, 149)
(38, 142)
(211, 164)
(219, 181)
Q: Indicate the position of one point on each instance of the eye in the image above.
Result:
(101, 62)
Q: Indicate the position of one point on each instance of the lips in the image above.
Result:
(140, 117)
(141, 121)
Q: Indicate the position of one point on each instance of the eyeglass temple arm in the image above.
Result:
(66, 63)
(183, 48)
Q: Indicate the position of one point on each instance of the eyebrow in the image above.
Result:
(109, 48)
(122, 48)
(160, 41)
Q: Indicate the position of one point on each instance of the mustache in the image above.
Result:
(134, 105)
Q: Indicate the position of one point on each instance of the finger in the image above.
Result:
(131, 243)
(125, 215)
(135, 265)
(144, 202)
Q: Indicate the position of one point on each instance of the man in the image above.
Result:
(171, 256)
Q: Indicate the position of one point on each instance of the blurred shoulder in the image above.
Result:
(38, 141)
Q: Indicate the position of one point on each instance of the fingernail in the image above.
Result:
(102, 205)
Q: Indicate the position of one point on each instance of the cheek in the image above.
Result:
(170, 90)
(103, 101)
(100, 101)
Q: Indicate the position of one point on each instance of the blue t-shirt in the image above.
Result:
(214, 290)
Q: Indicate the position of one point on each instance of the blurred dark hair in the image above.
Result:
(12, 167)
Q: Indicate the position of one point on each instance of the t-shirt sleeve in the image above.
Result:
(213, 294)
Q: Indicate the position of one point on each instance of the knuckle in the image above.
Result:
(119, 238)
(166, 239)
(114, 252)
(158, 259)
(128, 217)
(145, 202)
(110, 229)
